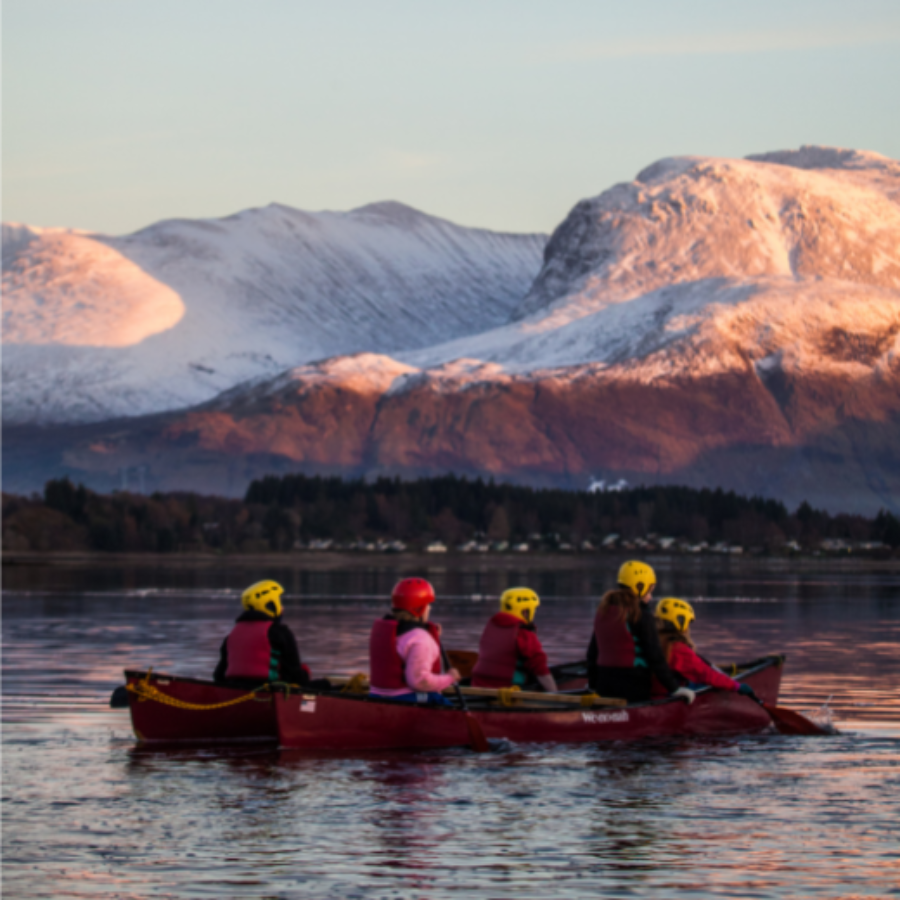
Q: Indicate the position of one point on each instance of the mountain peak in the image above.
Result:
(812, 156)
(815, 212)
(398, 214)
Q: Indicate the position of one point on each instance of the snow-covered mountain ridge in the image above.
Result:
(96, 327)
(690, 234)
(715, 322)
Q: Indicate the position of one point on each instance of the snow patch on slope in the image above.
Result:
(689, 331)
(66, 288)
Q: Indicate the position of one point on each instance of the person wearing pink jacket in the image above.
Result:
(405, 650)
(673, 621)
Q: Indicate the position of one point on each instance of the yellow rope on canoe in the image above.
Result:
(358, 684)
(507, 696)
(588, 699)
(146, 691)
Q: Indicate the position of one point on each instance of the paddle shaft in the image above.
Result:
(539, 696)
(476, 735)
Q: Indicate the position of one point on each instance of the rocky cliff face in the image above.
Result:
(714, 322)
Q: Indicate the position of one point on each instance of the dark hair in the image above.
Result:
(625, 600)
(670, 635)
(404, 615)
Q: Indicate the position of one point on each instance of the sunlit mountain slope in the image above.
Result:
(97, 327)
(714, 322)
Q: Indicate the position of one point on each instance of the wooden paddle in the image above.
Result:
(543, 697)
(476, 735)
(463, 661)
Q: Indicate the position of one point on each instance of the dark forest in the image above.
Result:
(285, 514)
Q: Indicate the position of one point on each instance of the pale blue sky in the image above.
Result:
(497, 113)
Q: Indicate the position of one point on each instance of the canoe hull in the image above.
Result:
(346, 722)
(156, 722)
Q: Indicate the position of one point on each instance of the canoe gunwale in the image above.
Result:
(744, 670)
(319, 720)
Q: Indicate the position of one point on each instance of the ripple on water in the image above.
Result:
(87, 814)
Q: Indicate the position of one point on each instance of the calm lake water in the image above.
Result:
(88, 813)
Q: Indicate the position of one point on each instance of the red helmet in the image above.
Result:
(413, 595)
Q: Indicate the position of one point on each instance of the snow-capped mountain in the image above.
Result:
(644, 265)
(715, 322)
(96, 327)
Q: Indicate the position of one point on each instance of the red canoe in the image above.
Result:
(166, 709)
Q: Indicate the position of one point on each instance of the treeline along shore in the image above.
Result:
(296, 513)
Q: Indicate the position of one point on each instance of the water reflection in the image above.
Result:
(355, 576)
(86, 813)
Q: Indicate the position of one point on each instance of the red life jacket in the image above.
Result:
(249, 652)
(497, 652)
(386, 665)
(615, 643)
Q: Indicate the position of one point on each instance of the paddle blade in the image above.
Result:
(463, 661)
(789, 722)
(476, 735)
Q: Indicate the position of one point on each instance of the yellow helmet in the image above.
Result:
(264, 597)
(637, 577)
(678, 612)
(520, 602)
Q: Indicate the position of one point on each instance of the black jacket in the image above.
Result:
(281, 640)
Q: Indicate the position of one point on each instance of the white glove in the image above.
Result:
(686, 694)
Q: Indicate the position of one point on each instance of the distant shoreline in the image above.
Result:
(339, 559)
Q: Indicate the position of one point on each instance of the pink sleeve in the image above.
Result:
(687, 663)
(421, 653)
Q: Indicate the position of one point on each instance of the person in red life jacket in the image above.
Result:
(624, 653)
(260, 646)
(673, 622)
(510, 652)
(405, 649)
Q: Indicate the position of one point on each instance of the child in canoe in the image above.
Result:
(405, 649)
(673, 622)
(624, 655)
(510, 651)
(260, 646)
